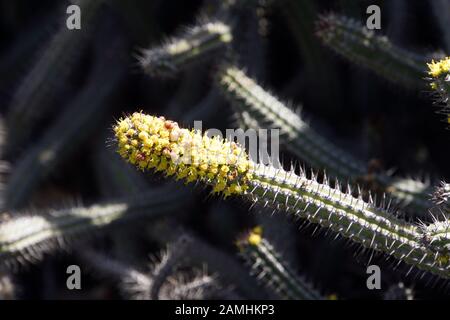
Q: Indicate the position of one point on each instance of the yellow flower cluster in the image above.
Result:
(156, 143)
(255, 236)
(436, 69)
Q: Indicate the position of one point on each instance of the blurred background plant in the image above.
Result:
(68, 198)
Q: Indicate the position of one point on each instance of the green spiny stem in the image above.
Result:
(184, 287)
(213, 162)
(355, 42)
(441, 10)
(440, 82)
(25, 238)
(259, 109)
(362, 222)
(441, 197)
(198, 42)
(36, 95)
(272, 271)
(69, 130)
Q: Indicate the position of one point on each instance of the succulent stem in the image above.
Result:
(355, 42)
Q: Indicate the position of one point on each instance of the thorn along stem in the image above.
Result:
(363, 222)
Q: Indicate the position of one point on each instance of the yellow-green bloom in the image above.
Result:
(437, 69)
(150, 142)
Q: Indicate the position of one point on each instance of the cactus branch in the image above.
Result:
(199, 41)
(25, 238)
(439, 73)
(360, 45)
(259, 109)
(271, 270)
(441, 197)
